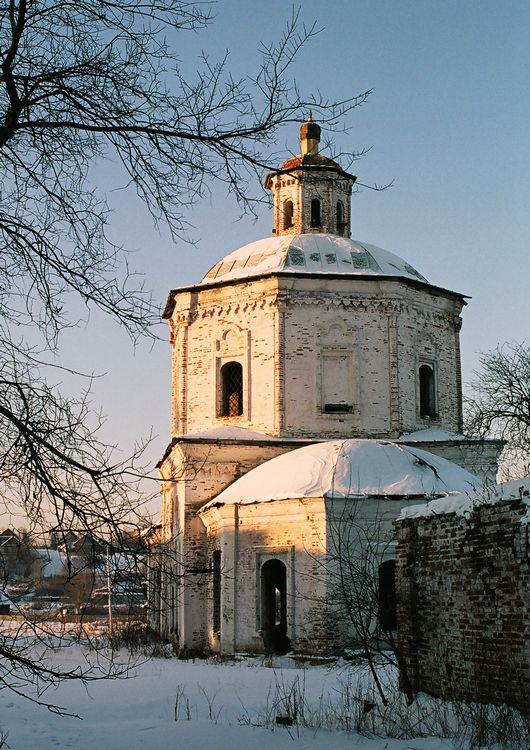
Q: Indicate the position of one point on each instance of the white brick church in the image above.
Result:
(312, 374)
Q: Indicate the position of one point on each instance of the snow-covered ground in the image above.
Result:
(167, 703)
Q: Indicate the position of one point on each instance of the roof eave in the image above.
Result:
(417, 283)
(307, 168)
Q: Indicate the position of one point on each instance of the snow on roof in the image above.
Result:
(463, 504)
(349, 468)
(54, 563)
(310, 253)
(431, 435)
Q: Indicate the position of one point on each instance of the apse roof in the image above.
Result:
(349, 469)
(310, 253)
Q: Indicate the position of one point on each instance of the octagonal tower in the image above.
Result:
(311, 193)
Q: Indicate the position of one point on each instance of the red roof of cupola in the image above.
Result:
(309, 157)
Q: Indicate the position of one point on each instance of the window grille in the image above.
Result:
(296, 257)
(232, 389)
(364, 260)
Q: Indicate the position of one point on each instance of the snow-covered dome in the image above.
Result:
(350, 468)
(310, 253)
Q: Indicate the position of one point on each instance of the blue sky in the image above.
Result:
(448, 121)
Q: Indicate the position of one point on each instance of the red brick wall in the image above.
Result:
(464, 605)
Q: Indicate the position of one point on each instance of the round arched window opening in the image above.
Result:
(231, 390)
(288, 212)
(316, 218)
(427, 392)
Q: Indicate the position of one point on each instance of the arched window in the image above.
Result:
(316, 219)
(231, 390)
(427, 392)
(288, 214)
(387, 595)
(341, 225)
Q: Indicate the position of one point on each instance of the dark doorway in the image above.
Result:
(274, 607)
(387, 595)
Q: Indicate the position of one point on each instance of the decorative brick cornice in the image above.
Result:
(233, 307)
(435, 317)
(285, 300)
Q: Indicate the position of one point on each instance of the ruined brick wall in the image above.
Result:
(463, 606)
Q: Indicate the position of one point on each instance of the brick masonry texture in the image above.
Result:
(463, 605)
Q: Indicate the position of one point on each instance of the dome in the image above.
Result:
(310, 253)
(350, 468)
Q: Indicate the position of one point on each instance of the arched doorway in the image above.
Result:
(273, 605)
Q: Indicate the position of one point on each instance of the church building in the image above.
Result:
(315, 379)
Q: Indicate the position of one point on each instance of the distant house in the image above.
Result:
(78, 543)
(50, 570)
(15, 560)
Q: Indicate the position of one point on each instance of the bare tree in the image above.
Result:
(499, 404)
(360, 567)
(81, 82)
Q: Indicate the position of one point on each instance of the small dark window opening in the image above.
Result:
(288, 214)
(274, 607)
(216, 610)
(341, 224)
(316, 219)
(338, 408)
(387, 595)
(232, 389)
(427, 392)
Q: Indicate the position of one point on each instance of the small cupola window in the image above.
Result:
(316, 218)
(341, 224)
(288, 212)
(231, 390)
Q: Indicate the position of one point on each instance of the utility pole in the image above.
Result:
(109, 590)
